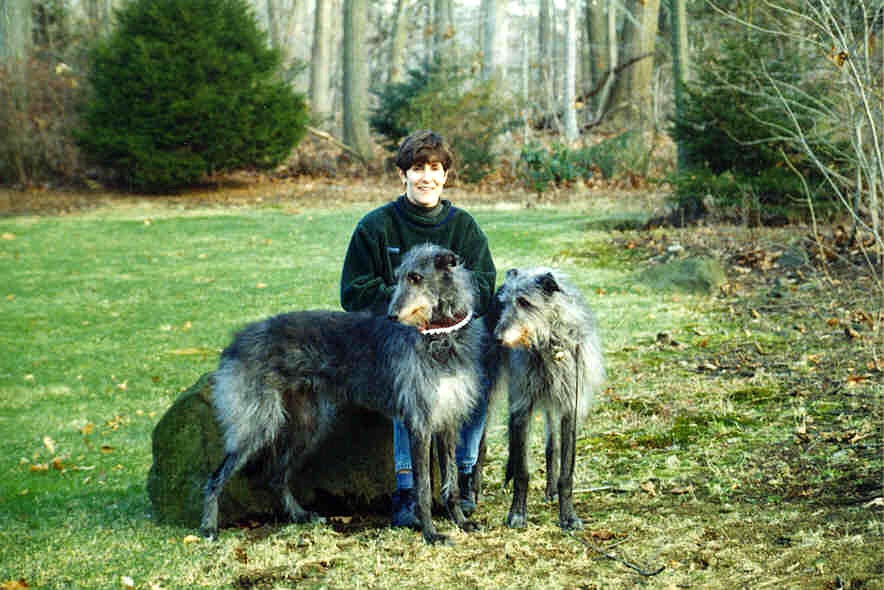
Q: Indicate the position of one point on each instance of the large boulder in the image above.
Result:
(352, 471)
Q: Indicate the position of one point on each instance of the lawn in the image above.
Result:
(738, 444)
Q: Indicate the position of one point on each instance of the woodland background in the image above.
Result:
(775, 108)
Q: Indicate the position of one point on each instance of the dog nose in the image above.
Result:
(393, 317)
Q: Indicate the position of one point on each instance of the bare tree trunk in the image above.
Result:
(15, 45)
(494, 46)
(604, 94)
(443, 30)
(679, 64)
(545, 58)
(320, 63)
(525, 90)
(397, 42)
(99, 14)
(597, 40)
(15, 29)
(355, 82)
(633, 99)
(569, 95)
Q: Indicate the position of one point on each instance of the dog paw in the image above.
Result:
(551, 496)
(209, 534)
(437, 539)
(516, 520)
(571, 523)
(471, 527)
(308, 518)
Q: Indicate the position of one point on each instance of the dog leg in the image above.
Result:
(288, 463)
(517, 467)
(553, 453)
(445, 449)
(209, 524)
(420, 464)
(568, 518)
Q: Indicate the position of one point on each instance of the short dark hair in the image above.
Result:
(421, 147)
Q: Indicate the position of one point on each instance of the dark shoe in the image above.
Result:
(468, 496)
(403, 510)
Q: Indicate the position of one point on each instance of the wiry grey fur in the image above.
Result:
(282, 380)
(550, 354)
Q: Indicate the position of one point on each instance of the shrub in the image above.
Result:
(185, 88)
(471, 115)
(731, 131)
(559, 166)
(37, 114)
(541, 168)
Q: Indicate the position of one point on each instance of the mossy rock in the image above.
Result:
(699, 275)
(352, 471)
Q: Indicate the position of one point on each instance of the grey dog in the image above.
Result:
(281, 381)
(550, 355)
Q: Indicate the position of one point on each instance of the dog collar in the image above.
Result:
(448, 329)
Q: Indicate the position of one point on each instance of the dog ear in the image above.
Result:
(445, 261)
(548, 283)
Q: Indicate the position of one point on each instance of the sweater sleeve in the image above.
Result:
(478, 259)
(362, 283)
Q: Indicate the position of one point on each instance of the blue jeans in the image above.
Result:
(468, 440)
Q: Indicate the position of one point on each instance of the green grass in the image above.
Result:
(730, 458)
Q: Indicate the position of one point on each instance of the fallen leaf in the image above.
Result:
(116, 422)
(189, 539)
(49, 444)
(127, 582)
(14, 584)
(856, 380)
(39, 468)
(8, 236)
(649, 488)
(107, 449)
(602, 535)
(191, 352)
(88, 429)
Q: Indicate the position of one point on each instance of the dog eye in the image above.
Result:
(414, 278)
(523, 303)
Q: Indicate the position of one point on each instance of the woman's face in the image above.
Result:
(424, 183)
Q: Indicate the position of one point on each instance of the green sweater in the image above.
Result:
(385, 234)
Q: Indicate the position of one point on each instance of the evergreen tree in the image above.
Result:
(185, 88)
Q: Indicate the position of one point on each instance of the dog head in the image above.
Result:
(433, 289)
(530, 303)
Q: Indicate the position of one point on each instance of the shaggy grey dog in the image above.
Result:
(550, 354)
(281, 382)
